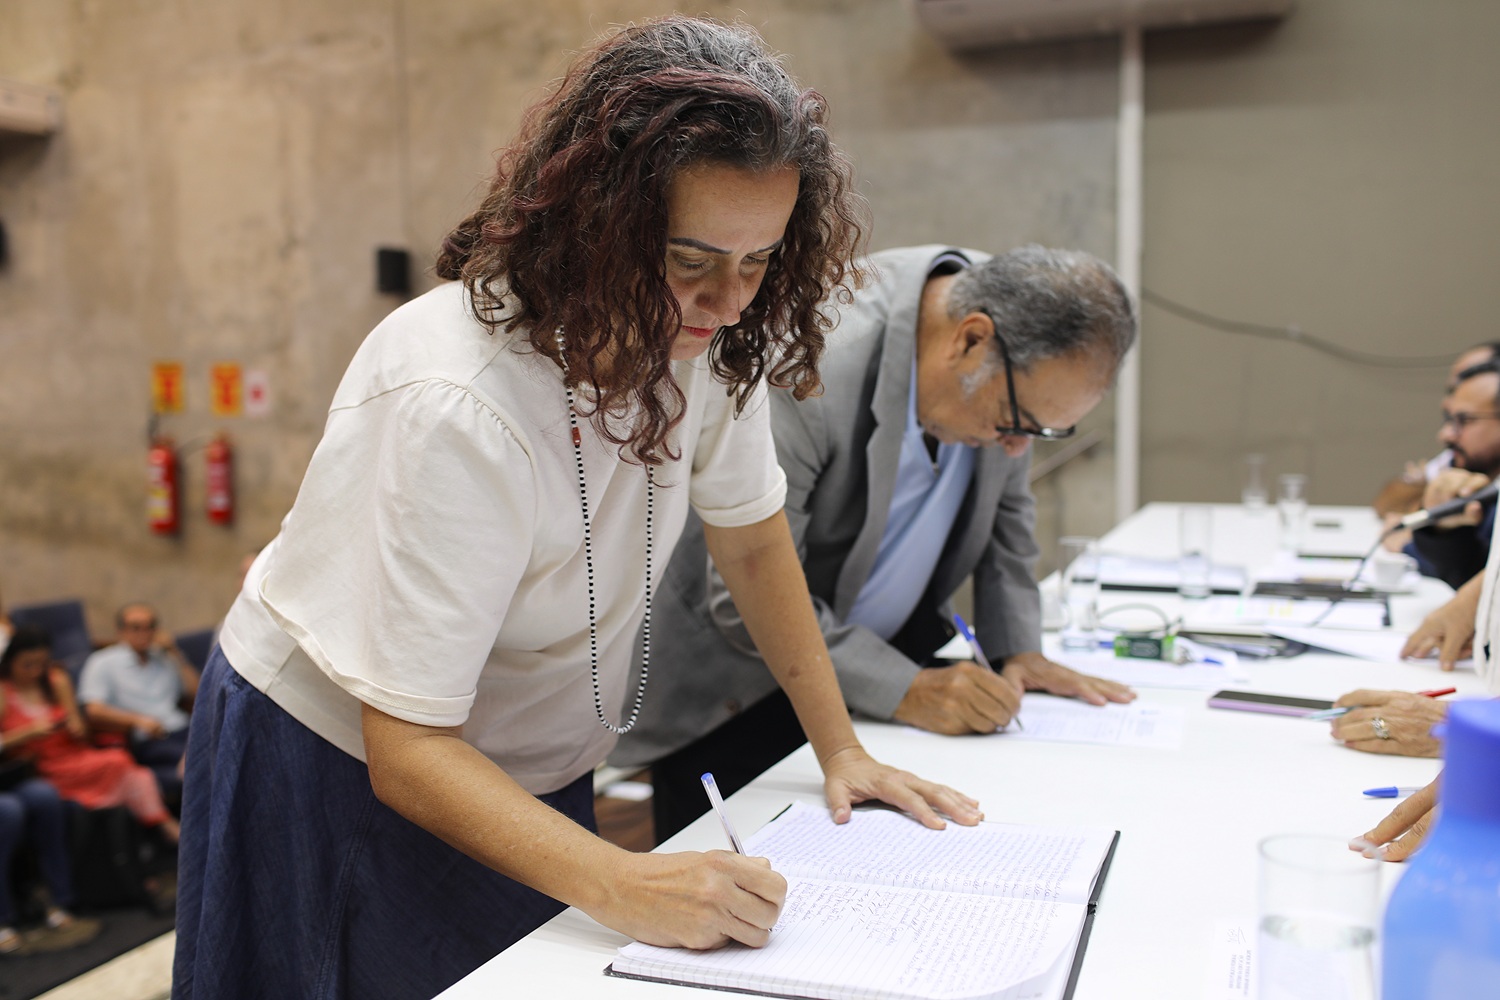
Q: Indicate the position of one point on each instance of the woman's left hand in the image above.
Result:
(852, 776)
(1407, 721)
(1397, 837)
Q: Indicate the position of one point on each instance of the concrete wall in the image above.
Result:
(227, 169)
(1337, 172)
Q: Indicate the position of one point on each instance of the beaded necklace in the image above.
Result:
(588, 562)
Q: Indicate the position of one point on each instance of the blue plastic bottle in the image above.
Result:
(1442, 924)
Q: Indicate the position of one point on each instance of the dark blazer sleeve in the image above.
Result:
(1454, 555)
(872, 674)
(1007, 603)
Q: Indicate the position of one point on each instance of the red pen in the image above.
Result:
(1437, 692)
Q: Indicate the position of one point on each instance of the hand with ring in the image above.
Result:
(1391, 722)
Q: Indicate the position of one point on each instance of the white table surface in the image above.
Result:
(1189, 819)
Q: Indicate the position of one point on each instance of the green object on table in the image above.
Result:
(1144, 647)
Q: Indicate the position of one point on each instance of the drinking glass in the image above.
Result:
(1079, 558)
(1291, 505)
(1318, 914)
(1253, 496)
(1195, 532)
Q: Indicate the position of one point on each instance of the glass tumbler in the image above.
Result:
(1319, 907)
(1078, 555)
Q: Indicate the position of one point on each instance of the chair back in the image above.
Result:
(196, 646)
(64, 622)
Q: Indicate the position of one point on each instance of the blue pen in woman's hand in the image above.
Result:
(980, 658)
(717, 801)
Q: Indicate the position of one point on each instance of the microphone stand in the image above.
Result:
(1416, 519)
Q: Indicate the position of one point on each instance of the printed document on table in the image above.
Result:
(1231, 963)
(1291, 568)
(1063, 720)
(1228, 672)
(1145, 573)
(1271, 611)
(1382, 647)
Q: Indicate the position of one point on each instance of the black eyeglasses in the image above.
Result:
(1015, 429)
(1462, 420)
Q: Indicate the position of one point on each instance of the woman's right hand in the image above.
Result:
(1448, 631)
(41, 727)
(694, 900)
(29, 731)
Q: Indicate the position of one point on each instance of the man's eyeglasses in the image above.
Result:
(1015, 429)
(1462, 420)
(139, 626)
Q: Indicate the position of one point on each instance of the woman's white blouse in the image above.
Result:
(432, 565)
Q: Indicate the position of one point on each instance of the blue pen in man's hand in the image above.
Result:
(979, 657)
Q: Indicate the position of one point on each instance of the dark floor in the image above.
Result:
(121, 929)
(621, 821)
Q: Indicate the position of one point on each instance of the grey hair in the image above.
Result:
(1048, 303)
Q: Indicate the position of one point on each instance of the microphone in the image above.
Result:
(1422, 518)
(1416, 519)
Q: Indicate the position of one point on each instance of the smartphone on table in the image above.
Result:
(1275, 704)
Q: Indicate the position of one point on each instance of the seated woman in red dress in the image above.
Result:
(39, 720)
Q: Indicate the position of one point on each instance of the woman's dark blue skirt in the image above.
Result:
(294, 881)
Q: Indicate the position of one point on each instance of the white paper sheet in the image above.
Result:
(1153, 673)
(1231, 961)
(1145, 573)
(1381, 647)
(1289, 568)
(1269, 611)
(1062, 720)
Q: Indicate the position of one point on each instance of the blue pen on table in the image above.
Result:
(1390, 792)
(979, 657)
(717, 801)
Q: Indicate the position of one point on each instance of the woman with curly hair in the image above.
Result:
(390, 764)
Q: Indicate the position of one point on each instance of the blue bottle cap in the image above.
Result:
(1471, 777)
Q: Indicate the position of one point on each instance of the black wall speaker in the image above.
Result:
(392, 271)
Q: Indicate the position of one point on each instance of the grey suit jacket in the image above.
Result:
(839, 451)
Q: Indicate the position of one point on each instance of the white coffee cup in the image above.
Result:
(1388, 569)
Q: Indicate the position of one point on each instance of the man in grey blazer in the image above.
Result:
(906, 476)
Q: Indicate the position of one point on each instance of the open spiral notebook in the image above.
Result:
(885, 908)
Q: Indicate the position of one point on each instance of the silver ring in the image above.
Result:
(1382, 731)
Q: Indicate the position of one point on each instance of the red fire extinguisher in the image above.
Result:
(219, 461)
(162, 488)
